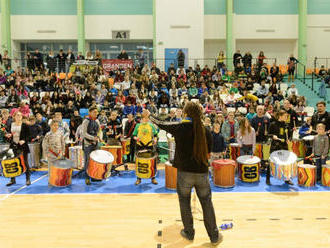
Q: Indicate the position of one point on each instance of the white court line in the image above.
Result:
(23, 187)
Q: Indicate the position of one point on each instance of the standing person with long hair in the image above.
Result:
(246, 137)
(193, 144)
(19, 137)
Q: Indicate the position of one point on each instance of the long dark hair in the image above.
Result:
(200, 149)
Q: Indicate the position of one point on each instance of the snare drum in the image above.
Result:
(60, 172)
(283, 164)
(170, 176)
(76, 155)
(326, 175)
(126, 144)
(13, 167)
(234, 151)
(306, 175)
(262, 151)
(145, 164)
(224, 173)
(99, 164)
(248, 168)
(117, 153)
(34, 155)
(298, 147)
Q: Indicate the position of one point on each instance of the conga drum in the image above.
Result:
(12, 166)
(298, 147)
(248, 168)
(126, 144)
(145, 164)
(170, 176)
(326, 175)
(234, 151)
(262, 151)
(60, 172)
(99, 165)
(306, 175)
(224, 173)
(35, 154)
(117, 153)
(283, 164)
(76, 155)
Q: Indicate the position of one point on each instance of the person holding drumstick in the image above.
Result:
(19, 137)
(53, 144)
(193, 145)
(145, 135)
(246, 137)
(279, 133)
(91, 135)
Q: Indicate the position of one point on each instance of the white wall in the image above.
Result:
(25, 27)
(173, 12)
(285, 26)
(99, 27)
(213, 47)
(214, 27)
(272, 48)
(318, 37)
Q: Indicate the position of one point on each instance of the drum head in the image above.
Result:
(169, 136)
(248, 159)
(309, 138)
(63, 163)
(283, 157)
(102, 156)
(307, 166)
(220, 162)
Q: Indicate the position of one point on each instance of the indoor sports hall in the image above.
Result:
(164, 123)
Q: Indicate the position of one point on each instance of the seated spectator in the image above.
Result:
(292, 90)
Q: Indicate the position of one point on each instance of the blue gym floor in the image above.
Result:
(124, 183)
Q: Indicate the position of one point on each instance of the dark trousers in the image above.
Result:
(130, 156)
(87, 151)
(200, 181)
(319, 162)
(27, 173)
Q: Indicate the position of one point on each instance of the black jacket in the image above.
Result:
(184, 142)
(24, 135)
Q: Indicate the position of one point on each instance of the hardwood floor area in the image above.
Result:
(135, 220)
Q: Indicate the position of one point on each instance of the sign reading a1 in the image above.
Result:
(120, 35)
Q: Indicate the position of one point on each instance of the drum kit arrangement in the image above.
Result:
(284, 165)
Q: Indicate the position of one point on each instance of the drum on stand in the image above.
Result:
(326, 175)
(12, 166)
(262, 151)
(298, 147)
(145, 164)
(60, 172)
(170, 176)
(234, 151)
(249, 168)
(35, 155)
(171, 147)
(283, 164)
(224, 173)
(99, 165)
(76, 155)
(306, 175)
(126, 145)
(117, 153)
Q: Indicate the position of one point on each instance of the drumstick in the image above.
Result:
(266, 132)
